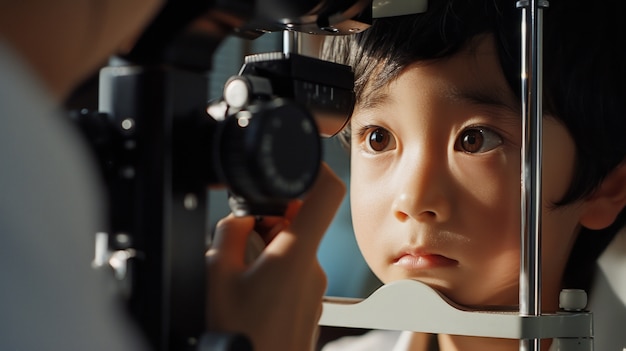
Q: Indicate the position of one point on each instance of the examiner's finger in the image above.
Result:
(314, 216)
(268, 227)
(229, 241)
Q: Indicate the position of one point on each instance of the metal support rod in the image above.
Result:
(291, 42)
(530, 252)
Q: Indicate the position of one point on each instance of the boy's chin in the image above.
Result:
(467, 298)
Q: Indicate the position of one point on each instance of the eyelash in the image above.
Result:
(492, 138)
(487, 135)
(364, 134)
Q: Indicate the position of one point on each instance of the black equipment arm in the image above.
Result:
(159, 149)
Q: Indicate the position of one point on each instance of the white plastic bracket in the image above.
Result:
(413, 306)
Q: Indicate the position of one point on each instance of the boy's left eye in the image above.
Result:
(478, 140)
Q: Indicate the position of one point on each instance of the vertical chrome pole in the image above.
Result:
(530, 253)
(291, 42)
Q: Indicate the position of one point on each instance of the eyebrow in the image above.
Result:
(374, 100)
(491, 97)
(484, 97)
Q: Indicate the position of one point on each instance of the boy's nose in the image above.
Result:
(422, 191)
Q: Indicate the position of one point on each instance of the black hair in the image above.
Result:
(584, 80)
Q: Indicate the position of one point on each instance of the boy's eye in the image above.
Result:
(478, 140)
(380, 139)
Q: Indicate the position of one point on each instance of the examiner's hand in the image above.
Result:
(275, 300)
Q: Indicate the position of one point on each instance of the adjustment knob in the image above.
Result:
(239, 91)
(268, 155)
(573, 299)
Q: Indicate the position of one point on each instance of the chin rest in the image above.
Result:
(608, 296)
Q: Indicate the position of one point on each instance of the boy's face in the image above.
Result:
(435, 188)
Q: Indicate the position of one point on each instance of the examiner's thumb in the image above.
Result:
(314, 216)
(230, 240)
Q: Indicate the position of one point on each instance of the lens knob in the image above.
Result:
(268, 155)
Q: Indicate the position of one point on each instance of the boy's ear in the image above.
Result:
(606, 202)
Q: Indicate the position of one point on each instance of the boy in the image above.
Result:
(435, 143)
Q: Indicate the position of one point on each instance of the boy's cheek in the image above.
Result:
(559, 154)
(559, 231)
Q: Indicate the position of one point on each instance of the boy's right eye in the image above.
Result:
(379, 139)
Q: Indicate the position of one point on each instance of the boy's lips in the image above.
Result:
(418, 261)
